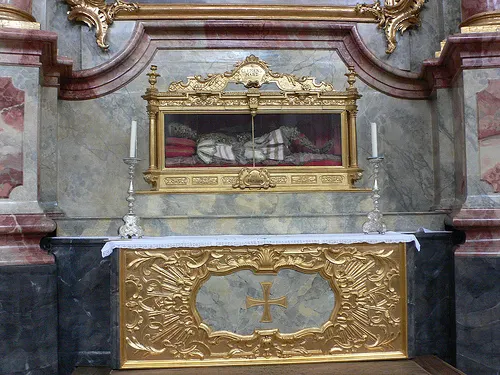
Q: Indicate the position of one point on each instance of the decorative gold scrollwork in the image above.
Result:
(252, 73)
(254, 178)
(99, 14)
(161, 326)
(394, 16)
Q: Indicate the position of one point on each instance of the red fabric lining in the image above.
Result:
(318, 163)
(174, 141)
(172, 151)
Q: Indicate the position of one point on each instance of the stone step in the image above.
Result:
(426, 365)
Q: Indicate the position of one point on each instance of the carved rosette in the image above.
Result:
(162, 328)
(394, 16)
(99, 14)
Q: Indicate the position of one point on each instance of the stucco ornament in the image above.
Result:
(99, 14)
(394, 16)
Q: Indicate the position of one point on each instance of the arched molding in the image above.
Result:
(151, 36)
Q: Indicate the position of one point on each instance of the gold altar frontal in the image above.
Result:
(183, 307)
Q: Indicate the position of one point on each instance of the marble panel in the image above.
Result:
(28, 324)
(488, 107)
(221, 301)
(480, 194)
(11, 141)
(23, 199)
(405, 139)
(477, 311)
(92, 144)
(83, 303)
(434, 295)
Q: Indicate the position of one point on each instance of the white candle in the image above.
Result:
(374, 140)
(133, 139)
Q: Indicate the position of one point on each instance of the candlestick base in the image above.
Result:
(374, 224)
(131, 228)
(375, 221)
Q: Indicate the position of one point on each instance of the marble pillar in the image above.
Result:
(473, 7)
(17, 14)
(28, 304)
(19, 10)
(480, 16)
(477, 259)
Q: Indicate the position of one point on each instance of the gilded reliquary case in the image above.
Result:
(251, 129)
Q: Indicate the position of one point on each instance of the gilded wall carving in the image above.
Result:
(393, 16)
(98, 14)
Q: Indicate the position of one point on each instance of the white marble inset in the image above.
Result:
(221, 301)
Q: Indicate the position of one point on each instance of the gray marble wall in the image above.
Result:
(83, 142)
(93, 137)
(444, 141)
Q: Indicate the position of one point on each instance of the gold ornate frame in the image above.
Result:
(209, 95)
(160, 326)
(393, 16)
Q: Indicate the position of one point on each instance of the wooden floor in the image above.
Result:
(427, 365)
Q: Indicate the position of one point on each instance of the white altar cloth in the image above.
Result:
(256, 240)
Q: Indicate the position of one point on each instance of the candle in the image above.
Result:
(133, 139)
(374, 140)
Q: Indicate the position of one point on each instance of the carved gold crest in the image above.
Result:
(254, 178)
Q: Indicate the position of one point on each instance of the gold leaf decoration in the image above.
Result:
(162, 327)
(394, 16)
(98, 14)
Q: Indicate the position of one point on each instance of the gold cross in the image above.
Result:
(267, 302)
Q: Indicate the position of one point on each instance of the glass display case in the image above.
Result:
(283, 133)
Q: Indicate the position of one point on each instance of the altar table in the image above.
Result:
(239, 300)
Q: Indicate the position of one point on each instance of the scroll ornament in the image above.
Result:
(161, 321)
(394, 16)
(99, 14)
